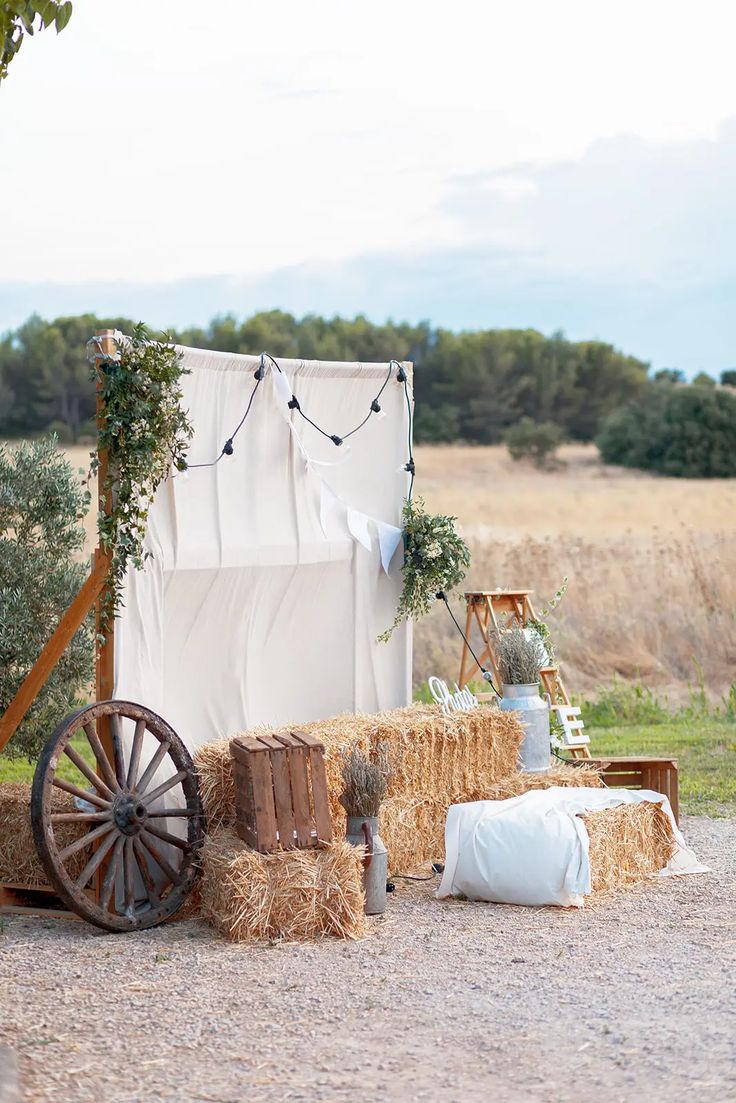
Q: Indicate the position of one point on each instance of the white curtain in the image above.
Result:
(259, 604)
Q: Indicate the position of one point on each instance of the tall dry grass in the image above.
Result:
(651, 564)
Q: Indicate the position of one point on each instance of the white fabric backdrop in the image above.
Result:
(248, 613)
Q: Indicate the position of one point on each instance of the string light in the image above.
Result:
(487, 676)
(338, 440)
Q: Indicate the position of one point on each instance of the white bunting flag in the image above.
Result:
(389, 538)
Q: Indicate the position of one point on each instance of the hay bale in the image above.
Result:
(413, 832)
(291, 894)
(516, 784)
(19, 860)
(628, 844)
(441, 758)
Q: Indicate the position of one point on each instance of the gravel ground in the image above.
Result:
(632, 997)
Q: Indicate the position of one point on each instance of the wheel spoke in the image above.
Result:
(102, 760)
(75, 791)
(153, 765)
(128, 878)
(112, 867)
(142, 861)
(95, 862)
(148, 843)
(86, 840)
(135, 753)
(149, 798)
(79, 817)
(86, 769)
(117, 749)
(167, 837)
(164, 813)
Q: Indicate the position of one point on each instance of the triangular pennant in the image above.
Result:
(329, 506)
(358, 525)
(389, 538)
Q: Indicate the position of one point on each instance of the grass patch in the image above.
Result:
(20, 769)
(705, 749)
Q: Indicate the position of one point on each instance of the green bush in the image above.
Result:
(41, 506)
(685, 431)
(537, 440)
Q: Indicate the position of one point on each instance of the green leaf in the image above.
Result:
(63, 16)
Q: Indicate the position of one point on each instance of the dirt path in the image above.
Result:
(449, 1001)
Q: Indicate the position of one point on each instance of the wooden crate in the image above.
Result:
(659, 774)
(280, 791)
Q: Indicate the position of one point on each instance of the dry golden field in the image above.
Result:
(651, 562)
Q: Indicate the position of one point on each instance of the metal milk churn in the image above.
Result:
(534, 754)
(363, 831)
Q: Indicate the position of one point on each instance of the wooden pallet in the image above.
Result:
(19, 899)
(281, 796)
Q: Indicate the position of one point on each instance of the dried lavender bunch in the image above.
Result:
(365, 779)
(521, 656)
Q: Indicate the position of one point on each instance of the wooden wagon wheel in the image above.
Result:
(143, 872)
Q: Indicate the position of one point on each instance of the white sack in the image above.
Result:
(534, 849)
(249, 611)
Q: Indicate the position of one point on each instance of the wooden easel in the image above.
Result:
(26, 898)
(514, 607)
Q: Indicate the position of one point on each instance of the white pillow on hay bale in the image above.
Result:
(557, 845)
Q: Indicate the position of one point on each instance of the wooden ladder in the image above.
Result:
(513, 607)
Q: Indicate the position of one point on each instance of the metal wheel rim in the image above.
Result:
(125, 833)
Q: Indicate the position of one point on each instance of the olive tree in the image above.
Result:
(42, 503)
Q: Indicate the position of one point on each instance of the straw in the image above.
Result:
(516, 784)
(291, 895)
(19, 860)
(442, 758)
(628, 844)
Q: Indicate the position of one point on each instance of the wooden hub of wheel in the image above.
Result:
(126, 856)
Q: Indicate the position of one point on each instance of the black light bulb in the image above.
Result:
(375, 406)
(227, 448)
(336, 440)
(294, 403)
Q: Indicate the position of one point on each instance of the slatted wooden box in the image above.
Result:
(659, 774)
(280, 791)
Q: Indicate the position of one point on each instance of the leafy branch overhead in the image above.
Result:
(145, 432)
(19, 18)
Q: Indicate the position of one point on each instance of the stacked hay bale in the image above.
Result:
(628, 844)
(436, 760)
(19, 860)
(290, 894)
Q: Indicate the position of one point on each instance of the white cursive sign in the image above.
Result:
(462, 700)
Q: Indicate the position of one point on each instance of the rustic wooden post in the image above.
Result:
(105, 648)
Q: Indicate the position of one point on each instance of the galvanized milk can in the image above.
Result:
(363, 831)
(534, 754)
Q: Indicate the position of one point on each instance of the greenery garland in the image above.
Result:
(144, 432)
(435, 558)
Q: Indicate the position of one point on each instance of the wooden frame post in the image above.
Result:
(105, 649)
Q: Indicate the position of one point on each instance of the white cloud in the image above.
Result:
(627, 209)
(147, 144)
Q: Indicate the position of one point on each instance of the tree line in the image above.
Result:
(470, 386)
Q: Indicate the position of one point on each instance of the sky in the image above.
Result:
(567, 166)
